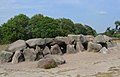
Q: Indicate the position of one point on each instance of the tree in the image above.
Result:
(15, 28)
(117, 23)
(36, 25)
(66, 25)
(90, 31)
(79, 29)
(42, 26)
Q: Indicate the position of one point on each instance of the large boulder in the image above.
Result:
(80, 38)
(79, 47)
(107, 38)
(94, 47)
(37, 49)
(58, 42)
(17, 45)
(65, 39)
(99, 39)
(16, 56)
(55, 50)
(102, 39)
(47, 63)
(58, 59)
(5, 56)
(89, 38)
(39, 52)
(109, 44)
(104, 50)
(114, 43)
(46, 51)
(36, 41)
(48, 40)
(29, 54)
(83, 38)
(70, 49)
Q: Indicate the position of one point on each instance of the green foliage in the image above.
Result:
(90, 31)
(66, 26)
(110, 32)
(79, 29)
(40, 26)
(114, 32)
(14, 29)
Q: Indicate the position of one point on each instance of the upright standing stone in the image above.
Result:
(79, 47)
(94, 47)
(39, 52)
(56, 50)
(16, 56)
(5, 56)
(29, 54)
(70, 49)
(104, 50)
(46, 51)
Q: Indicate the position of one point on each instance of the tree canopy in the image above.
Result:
(40, 26)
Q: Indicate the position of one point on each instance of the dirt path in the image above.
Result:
(86, 64)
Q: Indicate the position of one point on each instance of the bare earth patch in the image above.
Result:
(84, 64)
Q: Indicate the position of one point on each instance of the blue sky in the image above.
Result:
(99, 14)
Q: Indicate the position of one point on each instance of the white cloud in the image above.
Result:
(103, 13)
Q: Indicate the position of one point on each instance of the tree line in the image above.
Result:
(113, 32)
(40, 26)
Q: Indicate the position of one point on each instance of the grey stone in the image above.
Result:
(29, 54)
(94, 47)
(36, 41)
(39, 52)
(89, 38)
(109, 44)
(58, 59)
(17, 45)
(107, 38)
(5, 57)
(80, 38)
(56, 50)
(104, 50)
(65, 39)
(48, 40)
(99, 39)
(47, 63)
(37, 49)
(114, 43)
(70, 49)
(58, 42)
(46, 51)
(16, 56)
(83, 38)
(79, 47)
(102, 39)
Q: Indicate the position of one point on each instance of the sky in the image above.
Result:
(99, 14)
